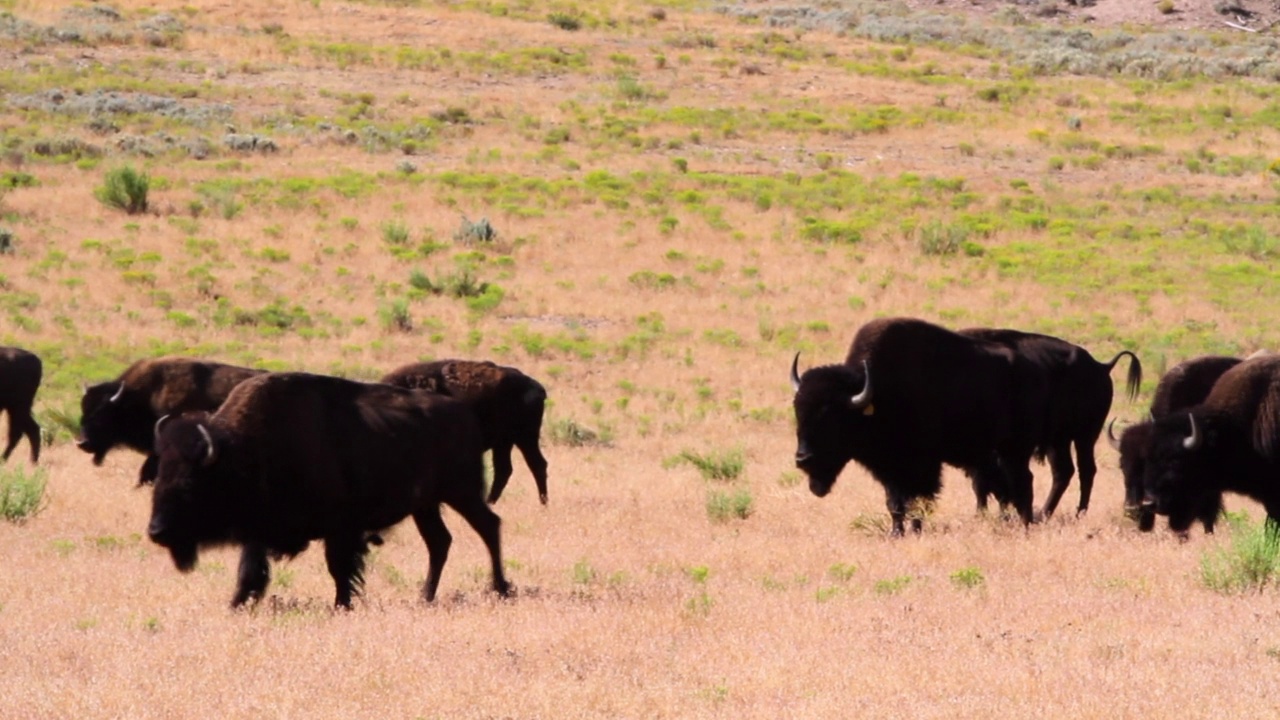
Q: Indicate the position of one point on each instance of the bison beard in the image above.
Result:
(294, 457)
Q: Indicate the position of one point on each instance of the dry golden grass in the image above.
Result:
(1076, 618)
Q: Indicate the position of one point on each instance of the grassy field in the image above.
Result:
(650, 207)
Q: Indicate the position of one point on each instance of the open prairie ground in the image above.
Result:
(649, 206)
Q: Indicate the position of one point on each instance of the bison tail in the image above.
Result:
(1134, 381)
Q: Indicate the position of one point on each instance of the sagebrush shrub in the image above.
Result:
(124, 189)
(21, 493)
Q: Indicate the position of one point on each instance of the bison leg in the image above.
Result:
(1063, 469)
(1017, 467)
(253, 576)
(988, 481)
(1088, 471)
(488, 525)
(1209, 513)
(20, 423)
(1146, 518)
(344, 555)
(897, 505)
(436, 536)
(537, 465)
(501, 471)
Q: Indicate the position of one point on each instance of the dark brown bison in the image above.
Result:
(1183, 386)
(124, 411)
(20, 372)
(1079, 399)
(911, 396)
(1228, 443)
(293, 457)
(508, 404)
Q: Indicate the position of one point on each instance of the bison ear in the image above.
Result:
(211, 450)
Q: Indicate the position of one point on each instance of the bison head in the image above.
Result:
(190, 501)
(1134, 445)
(1187, 455)
(833, 407)
(111, 415)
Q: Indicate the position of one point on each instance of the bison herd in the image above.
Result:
(273, 461)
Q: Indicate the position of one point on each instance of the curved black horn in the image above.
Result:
(159, 425)
(1195, 439)
(116, 397)
(211, 453)
(795, 373)
(1115, 442)
(863, 398)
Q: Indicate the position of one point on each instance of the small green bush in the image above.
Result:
(124, 189)
(714, 465)
(469, 232)
(395, 232)
(968, 577)
(723, 506)
(892, 586)
(565, 21)
(570, 432)
(1251, 560)
(395, 316)
(21, 493)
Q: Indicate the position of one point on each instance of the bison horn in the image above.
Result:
(118, 395)
(795, 373)
(1111, 438)
(159, 425)
(863, 399)
(1195, 439)
(211, 454)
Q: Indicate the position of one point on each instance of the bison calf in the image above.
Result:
(293, 457)
(20, 372)
(507, 403)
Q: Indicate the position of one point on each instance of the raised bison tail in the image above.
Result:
(1134, 382)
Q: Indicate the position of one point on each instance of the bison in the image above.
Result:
(507, 403)
(1183, 386)
(294, 457)
(124, 411)
(1228, 442)
(911, 396)
(1079, 399)
(20, 373)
